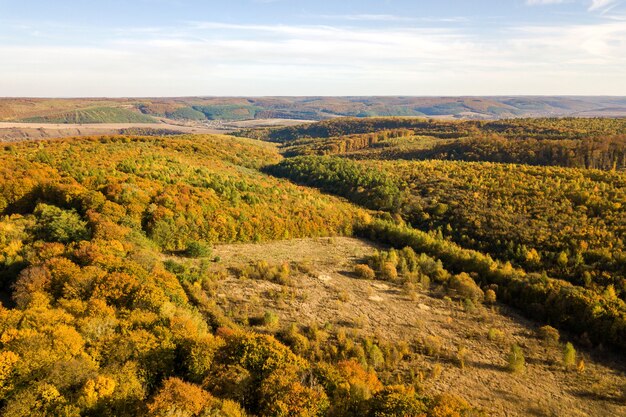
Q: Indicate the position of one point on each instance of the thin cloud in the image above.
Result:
(389, 18)
(602, 4)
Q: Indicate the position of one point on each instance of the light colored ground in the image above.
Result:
(11, 132)
(329, 294)
(248, 124)
(14, 131)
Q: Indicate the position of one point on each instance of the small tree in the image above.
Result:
(516, 360)
(569, 355)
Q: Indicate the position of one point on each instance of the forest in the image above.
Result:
(576, 143)
(94, 321)
(127, 265)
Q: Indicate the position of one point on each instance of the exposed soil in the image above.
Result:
(328, 293)
(13, 132)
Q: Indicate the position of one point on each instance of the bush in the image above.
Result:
(364, 272)
(549, 334)
(261, 270)
(464, 286)
(196, 249)
(270, 320)
(283, 393)
(389, 271)
(495, 334)
(447, 405)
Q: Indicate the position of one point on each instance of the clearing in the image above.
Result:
(328, 294)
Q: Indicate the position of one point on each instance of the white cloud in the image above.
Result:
(601, 4)
(213, 58)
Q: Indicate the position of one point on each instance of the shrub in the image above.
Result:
(447, 405)
(196, 249)
(432, 345)
(364, 272)
(389, 271)
(462, 356)
(495, 334)
(270, 319)
(516, 360)
(261, 270)
(549, 334)
(490, 296)
(465, 287)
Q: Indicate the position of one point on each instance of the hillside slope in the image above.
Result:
(199, 109)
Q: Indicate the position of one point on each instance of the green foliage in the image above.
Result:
(516, 361)
(573, 307)
(270, 319)
(196, 249)
(227, 112)
(57, 225)
(552, 219)
(569, 355)
(408, 267)
(186, 113)
(94, 115)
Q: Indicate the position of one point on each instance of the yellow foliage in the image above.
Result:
(8, 360)
(98, 388)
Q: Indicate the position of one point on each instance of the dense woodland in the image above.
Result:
(577, 143)
(94, 322)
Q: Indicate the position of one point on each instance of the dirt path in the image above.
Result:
(328, 294)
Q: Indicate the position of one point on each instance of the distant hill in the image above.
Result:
(198, 109)
(94, 115)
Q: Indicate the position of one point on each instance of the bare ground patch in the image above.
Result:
(327, 294)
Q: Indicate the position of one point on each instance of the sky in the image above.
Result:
(150, 48)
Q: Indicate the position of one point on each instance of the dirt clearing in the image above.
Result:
(328, 295)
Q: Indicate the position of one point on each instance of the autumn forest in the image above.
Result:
(390, 266)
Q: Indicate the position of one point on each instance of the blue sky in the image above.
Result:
(291, 47)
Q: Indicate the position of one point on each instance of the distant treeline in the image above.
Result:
(596, 153)
(578, 143)
(554, 128)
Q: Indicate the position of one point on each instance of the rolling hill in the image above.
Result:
(305, 108)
